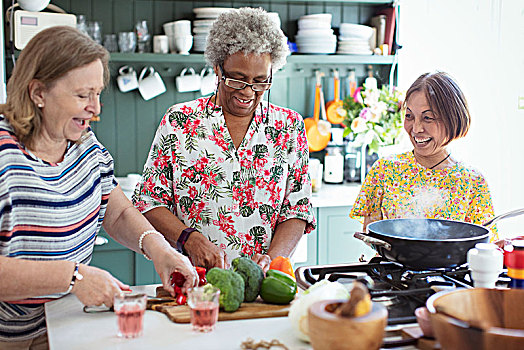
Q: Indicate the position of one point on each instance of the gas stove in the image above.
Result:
(398, 288)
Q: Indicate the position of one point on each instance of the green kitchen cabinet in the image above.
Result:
(123, 263)
(336, 243)
(306, 253)
(115, 258)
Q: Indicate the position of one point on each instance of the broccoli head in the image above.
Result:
(252, 275)
(231, 287)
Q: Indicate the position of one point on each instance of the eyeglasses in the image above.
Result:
(239, 84)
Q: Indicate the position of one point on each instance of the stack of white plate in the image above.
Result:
(315, 35)
(354, 39)
(202, 25)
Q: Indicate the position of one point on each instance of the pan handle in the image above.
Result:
(509, 214)
(372, 240)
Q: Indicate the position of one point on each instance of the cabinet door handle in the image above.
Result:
(100, 240)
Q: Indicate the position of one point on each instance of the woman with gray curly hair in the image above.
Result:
(227, 175)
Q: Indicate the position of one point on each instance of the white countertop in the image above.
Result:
(342, 195)
(69, 328)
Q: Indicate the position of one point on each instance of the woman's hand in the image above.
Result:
(97, 286)
(168, 261)
(205, 253)
(262, 260)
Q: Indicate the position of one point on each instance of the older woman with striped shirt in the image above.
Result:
(57, 189)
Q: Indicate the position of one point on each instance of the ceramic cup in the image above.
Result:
(150, 83)
(160, 44)
(183, 44)
(169, 28)
(182, 28)
(127, 79)
(208, 81)
(188, 80)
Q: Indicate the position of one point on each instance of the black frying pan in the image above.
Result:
(427, 243)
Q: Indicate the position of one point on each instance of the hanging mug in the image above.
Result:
(188, 80)
(150, 83)
(126, 79)
(208, 81)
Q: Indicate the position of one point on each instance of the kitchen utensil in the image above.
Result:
(188, 80)
(181, 313)
(309, 122)
(478, 318)
(427, 243)
(334, 115)
(330, 331)
(319, 133)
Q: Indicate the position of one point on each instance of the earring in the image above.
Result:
(40, 105)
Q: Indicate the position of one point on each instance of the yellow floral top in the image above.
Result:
(399, 187)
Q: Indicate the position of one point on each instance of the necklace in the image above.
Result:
(442, 161)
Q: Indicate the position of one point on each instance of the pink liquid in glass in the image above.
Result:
(130, 321)
(204, 316)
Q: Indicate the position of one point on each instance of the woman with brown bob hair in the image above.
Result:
(427, 182)
(57, 188)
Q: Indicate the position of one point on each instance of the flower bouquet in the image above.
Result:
(373, 116)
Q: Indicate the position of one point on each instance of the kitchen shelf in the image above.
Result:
(296, 58)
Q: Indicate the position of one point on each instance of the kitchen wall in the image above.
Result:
(128, 122)
(480, 43)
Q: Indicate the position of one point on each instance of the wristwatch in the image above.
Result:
(182, 239)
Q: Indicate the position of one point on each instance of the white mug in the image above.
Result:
(127, 80)
(160, 44)
(150, 85)
(183, 44)
(188, 82)
(208, 81)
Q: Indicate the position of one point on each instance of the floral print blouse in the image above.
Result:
(235, 197)
(399, 187)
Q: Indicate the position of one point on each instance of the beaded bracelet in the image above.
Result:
(141, 239)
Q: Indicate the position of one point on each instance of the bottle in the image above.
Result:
(352, 82)
(515, 263)
(334, 165)
(485, 263)
(371, 82)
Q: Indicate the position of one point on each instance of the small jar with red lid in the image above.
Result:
(514, 261)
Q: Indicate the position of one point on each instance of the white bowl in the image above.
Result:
(321, 17)
(358, 31)
(312, 24)
(315, 32)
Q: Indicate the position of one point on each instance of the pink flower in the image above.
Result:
(365, 114)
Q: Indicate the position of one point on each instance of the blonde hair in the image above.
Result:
(48, 56)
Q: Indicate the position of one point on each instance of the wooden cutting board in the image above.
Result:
(423, 343)
(256, 309)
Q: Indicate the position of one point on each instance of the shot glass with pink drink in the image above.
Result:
(130, 309)
(204, 303)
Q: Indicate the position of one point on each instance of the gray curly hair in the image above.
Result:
(249, 30)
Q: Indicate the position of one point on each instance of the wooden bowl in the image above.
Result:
(478, 318)
(330, 331)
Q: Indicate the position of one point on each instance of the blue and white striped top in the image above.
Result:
(48, 211)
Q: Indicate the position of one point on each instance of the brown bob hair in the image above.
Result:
(446, 100)
(48, 56)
